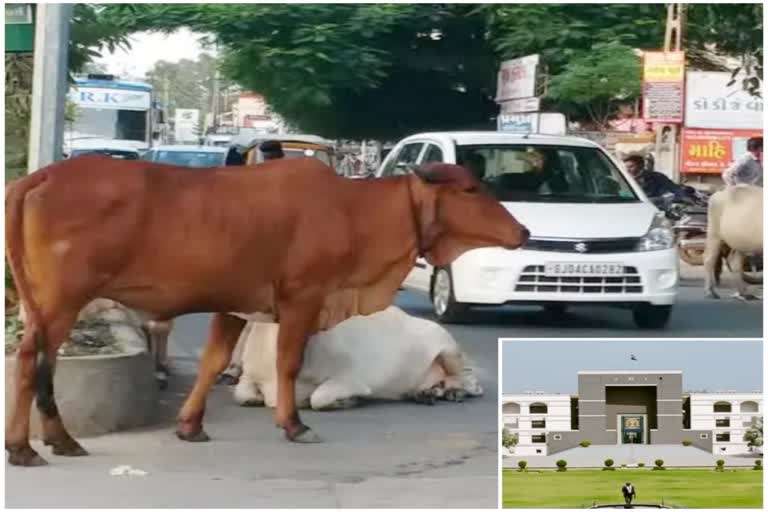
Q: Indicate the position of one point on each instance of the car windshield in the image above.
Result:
(544, 173)
(188, 158)
(301, 153)
(114, 153)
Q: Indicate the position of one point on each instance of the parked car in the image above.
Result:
(125, 154)
(595, 237)
(187, 155)
(127, 150)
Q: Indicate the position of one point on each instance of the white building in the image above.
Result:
(629, 407)
(728, 415)
(532, 416)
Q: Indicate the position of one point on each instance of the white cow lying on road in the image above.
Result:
(387, 355)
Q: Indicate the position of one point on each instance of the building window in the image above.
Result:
(749, 406)
(538, 450)
(723, 422)
(703, 436)
(538, 408)
(539, 438)
(539, 424)
(725, 437)
(557, 437)
(510, 408)
(722, 407)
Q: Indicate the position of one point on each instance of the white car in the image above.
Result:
(595, 236)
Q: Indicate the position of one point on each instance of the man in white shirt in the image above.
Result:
(749, 168)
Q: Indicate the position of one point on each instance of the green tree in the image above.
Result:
(385, 70)
(508, 439)
(190, 83)
(754, 434)
(730, 29)
(349, 70)
(91, 32)
(601, 80)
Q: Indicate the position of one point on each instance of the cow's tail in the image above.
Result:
(15, 193)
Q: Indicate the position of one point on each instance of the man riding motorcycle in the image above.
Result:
(655, 184)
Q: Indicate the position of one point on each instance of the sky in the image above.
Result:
(148, 48)
(551, 366)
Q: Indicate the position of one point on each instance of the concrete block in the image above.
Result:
(97, 394)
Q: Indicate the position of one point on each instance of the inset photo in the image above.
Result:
(631, 424)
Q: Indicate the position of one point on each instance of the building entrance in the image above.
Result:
(633, 429)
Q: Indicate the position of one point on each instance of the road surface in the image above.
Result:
(382, 455)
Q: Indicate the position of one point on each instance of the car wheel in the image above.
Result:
(652, 317)
(444, 302)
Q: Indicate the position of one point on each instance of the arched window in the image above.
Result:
(538, 408)
(511, 408)
(749, 406)
(722, 407)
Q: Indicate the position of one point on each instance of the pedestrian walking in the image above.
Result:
(747, 170)
(628, 490)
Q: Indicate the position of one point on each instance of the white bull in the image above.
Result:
(387, 355)
(735, 220)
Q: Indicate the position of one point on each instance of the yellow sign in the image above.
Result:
(632, 423)
(663, 66)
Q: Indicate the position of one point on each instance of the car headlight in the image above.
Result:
(659, 236)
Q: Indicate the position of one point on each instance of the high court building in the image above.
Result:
(630, 407)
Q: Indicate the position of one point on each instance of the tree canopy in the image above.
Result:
(385, 70)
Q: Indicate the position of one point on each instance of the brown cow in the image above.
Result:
(293, 239)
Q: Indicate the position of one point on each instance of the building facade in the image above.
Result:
(630, 407)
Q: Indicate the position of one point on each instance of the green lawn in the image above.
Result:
(686, 488)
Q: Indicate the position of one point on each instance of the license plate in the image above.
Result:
(583, 269)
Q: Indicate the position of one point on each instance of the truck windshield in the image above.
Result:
(110, 124)
(544, 173)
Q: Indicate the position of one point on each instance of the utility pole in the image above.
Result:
(49, 85)
(673, 42)
(167, 107)
(215, 99)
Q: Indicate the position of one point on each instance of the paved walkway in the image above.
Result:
(594, 456)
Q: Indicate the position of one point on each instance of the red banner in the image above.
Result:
(712, 151)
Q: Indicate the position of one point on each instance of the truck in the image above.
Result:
(186, 126)
(112, 111)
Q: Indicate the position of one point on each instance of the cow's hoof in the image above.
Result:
(254, 402)
(712, 295)
(304, 435)
(226, 379)
(26, 457)
(425, 396)
(454, 395)
(744, 297)
(68, 448)
(199, 436)
(70, 451)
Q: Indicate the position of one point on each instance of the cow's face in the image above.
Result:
(457, 214)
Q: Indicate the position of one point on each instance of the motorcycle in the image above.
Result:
(689, 218)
